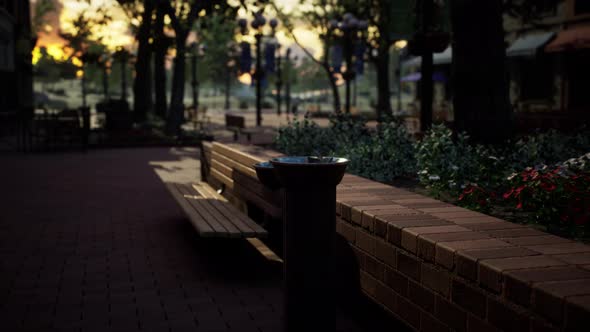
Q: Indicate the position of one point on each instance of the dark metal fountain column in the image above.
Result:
(309, 216)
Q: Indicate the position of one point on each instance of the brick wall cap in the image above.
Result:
(477, 254)
(563, 289)
(435, 229)
(561, 248)
(559, 273)
(473, 244)
(536, 240)
(515, 263)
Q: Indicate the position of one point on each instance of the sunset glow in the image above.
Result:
(117, 32)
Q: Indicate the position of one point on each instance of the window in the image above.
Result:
(581, 7)
(537, 79)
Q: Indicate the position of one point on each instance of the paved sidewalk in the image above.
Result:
(94, 242)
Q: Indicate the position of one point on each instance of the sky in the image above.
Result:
(117, 32)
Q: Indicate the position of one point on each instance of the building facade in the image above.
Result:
(549, 64)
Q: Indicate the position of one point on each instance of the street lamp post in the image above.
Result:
(288, 82)
(399, 46)
(351, 29)
(257, 24)
(258, 76)
(279, 80)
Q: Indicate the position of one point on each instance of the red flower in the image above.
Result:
(518, 190)
(548, 186)
(519, 205)
(508, 194)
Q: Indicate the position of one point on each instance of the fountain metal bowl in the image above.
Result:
(266, 175)
(309, 171)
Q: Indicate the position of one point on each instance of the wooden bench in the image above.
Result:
(211, 214)
(230, 168)
(199, 118)
(237, 124)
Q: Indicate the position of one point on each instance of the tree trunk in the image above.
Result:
(161, 47)
(142, 86)
(105, 82)
(383, 90)
(426, 92)
(176, 112)
(481, 102)
(335, 92)
(24, 62)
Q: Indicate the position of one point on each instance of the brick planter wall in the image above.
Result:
(439, 267)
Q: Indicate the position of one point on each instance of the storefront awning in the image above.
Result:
(570, 39)
(529, 44)
(445, 57)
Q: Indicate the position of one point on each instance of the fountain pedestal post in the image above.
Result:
(309, 216)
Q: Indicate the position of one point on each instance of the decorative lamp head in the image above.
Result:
(347, 17)
(274, 23)
(363, 25)
(332, 24)
(353, 24)
(242, 23)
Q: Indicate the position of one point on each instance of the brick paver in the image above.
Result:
(93, 242)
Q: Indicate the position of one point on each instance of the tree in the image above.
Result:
(378, 14)
(319, 15)
(160, 49)
(216, 32)
(141, 11)
(183, 14)
(481, 104)
(39, 18)
(79, 38)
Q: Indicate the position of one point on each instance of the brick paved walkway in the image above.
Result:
(93, 242)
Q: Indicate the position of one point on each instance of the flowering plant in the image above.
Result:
(477, 198)
(557, 197)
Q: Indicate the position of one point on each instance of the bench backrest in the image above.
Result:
(237, 121)
(233, 169)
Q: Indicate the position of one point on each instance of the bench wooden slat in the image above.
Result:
(240, 220)
(209, 205)
(256, 228)
(204, 229)
(218, 228)
(217, 221)
(247, 169)
(237, 155)
(222, 178)
(235, 218)
(223, 169)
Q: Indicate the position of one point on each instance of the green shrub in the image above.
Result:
(450, 164)
(385, 155)
(303, 138)
(382, 155)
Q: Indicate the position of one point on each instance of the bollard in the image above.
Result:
(309, 217)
